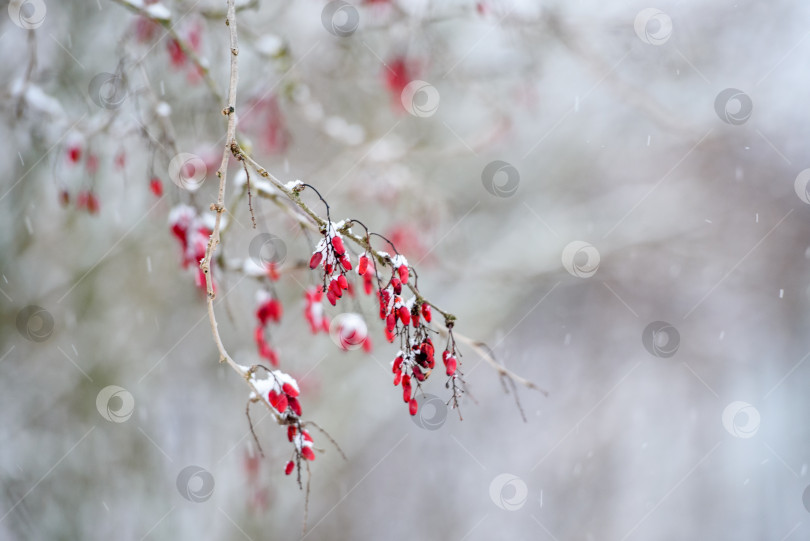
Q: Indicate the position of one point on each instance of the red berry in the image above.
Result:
(258, 335)
(74, 154)
(330, 296)
(290, 467)
(415, 318)
(156, 186)
(346, 263)
(403, 274)
(406, 381)
(397, 364)
(342, 282)
(306, 436)
(178, 57)
(92, 203)
(362, 265)
(426, 312)
(412, 406)
(397, 378)
(92, 164)
(272, 271)
(327, 267)
(404, 315)
(406, 394)
(295, 405)
(389, 335)
(290, 390)
(337, 243)
(445, 355)
(315, 260)
(290, 432)
(278, 401)
(368, 285)
(397, 285)
(451, 365)
(390, 322)
(307, 453)
(367, 345)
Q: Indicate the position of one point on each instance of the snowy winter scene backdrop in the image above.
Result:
(395, 269)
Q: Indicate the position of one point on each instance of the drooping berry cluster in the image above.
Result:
(281, 391)
(405, 319)
(313, 311)
(192, 231)
(269, 310)
(330, 254)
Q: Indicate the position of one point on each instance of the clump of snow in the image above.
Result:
(240, 178)
(338, 128)
(399, 260)
(251, 268)
(293, 184)
(270, 45)
(158, 11)
(262, 296)
(163, 109)
(36, 98)
(182, 215)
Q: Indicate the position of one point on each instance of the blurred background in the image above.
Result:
(613, 197)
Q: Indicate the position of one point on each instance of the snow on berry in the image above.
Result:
(330, 254)
(401, 265)
(313, 310)
(268, 310)
(192, 231)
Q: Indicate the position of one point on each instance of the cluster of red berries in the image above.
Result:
(313, 310)
(269, 310)
(407, 320)
(330, 253)
(193, 232)
(281, 392)
(86, 200)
